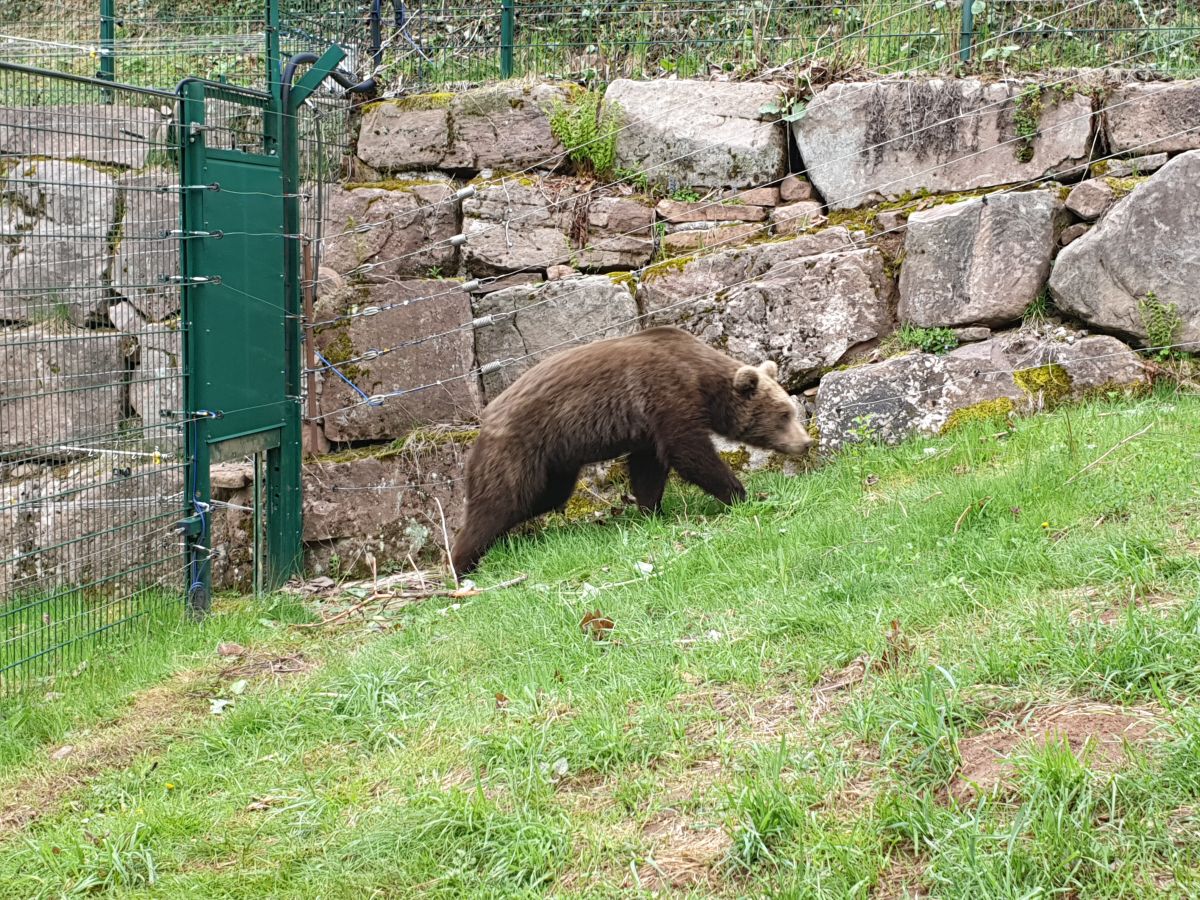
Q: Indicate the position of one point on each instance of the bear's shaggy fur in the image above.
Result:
(657, 395)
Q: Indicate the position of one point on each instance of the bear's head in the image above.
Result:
(764, 415)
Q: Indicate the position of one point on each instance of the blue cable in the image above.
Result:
(339, 374)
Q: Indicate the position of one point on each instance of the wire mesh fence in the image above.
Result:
(156, 43)
(425, 44)
(448, 42)
(91, 451)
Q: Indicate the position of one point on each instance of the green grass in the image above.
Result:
(723, 734)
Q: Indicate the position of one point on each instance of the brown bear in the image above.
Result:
(657, 395)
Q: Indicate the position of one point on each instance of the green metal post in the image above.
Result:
(198, 490)
(284, 522)
(967, 38)
(108, 40)
(272, 123)
(507, 23)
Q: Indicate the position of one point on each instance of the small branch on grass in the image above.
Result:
(446, 541)
(982, 505)
(1099, 459)
(411, 597)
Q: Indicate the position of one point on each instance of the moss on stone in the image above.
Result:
(396, 184)
(737, 459)
(674, 264)
(417, 102)
(622, 278)
(987, 411)
(1099, 168)
(340, 350)
(1123, 186)
(1050, 381)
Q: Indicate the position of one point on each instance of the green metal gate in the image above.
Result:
(150, 317)
(241, 317)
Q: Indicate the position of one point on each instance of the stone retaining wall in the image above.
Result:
(944, 213)
(956, 207)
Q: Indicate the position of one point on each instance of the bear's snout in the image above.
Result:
(796, 441)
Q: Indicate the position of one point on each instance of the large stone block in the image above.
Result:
(793, 302)
(805, 314)
(59, 386)
(143, 255)
(400, 230)
(862, 143)
(699, 133)
(980, 261)
(60, 216)
(111, 135)
(546, 318)
(670, 286)
(1153, 118)
(513, 227)
(919, 393)
(1145, 245)
(421, 343)
(504, 126)
(386, 504)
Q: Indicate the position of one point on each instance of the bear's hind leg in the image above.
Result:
(648, 479)
(696, 460)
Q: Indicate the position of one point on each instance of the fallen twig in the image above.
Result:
(1099, 459)
(411, 597)
(446, 540)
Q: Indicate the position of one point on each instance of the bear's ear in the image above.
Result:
(745, 380)
(770, 370)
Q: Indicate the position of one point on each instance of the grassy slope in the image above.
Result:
(722, 731)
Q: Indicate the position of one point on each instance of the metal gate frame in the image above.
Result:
(242, 323)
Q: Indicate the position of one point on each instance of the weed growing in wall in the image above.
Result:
(587, 127)
(927, 340)
(1161, 321)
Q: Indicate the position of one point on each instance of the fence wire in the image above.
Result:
(91, 389)
(157, 43)
(423, 45)
(451, 41)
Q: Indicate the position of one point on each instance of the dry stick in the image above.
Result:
(412, 598)
(983, 505)
(446, 541)
(1105, 454)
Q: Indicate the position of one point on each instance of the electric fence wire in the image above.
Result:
(739, 238)
(496, 365)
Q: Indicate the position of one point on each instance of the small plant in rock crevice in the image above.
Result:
(927, 340)
(587, 127)
(1161, 322)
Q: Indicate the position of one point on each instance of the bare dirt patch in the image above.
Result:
(261, 666)
(745, 715)
(1097, 733)
(156, 716)
(683, 853)
(1109, 611)
(901, 880)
